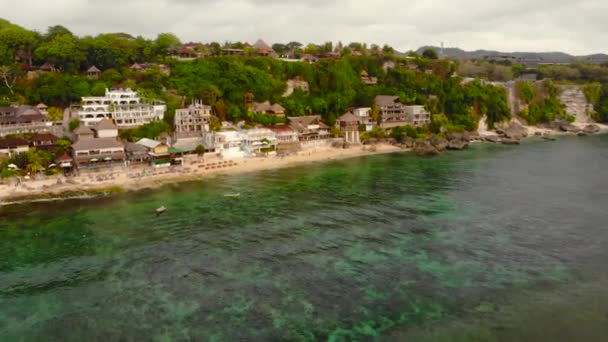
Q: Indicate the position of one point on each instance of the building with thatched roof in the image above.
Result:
(93, 73)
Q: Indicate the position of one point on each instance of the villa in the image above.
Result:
(267, 108)
(11, 146)
(287, 139)
(123, 106)
(309, 128)
(365, 117)
(26, 119)
(395, 114)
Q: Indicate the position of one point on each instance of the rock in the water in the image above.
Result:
(457, 145)
(548, 137)
(491, 138)
(439, 143)
(538, 134)
(510, 141)
(591, 129)
(471, 136)
(515, 131)
(582, 134)
(568, 127)
(425, 148)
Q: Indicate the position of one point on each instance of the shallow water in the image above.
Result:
(495, 243)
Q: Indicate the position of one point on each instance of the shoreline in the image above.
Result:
(121, 181)
(41, 190)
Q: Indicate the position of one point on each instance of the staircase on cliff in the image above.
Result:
(576, 103)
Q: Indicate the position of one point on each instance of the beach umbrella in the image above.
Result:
(52, 165)
(13, 166)
(94, 160)
(107, 159)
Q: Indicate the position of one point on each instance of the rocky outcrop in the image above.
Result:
(491, 138)
(568, 127)
(591, 129)
(439, 143)
(425, 148)
(457, 144)
(512, 131)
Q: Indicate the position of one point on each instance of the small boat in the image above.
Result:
(160, 210)
(232, 195)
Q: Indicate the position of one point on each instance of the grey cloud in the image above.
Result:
(533, 25)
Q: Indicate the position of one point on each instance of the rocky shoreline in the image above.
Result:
(508, 134)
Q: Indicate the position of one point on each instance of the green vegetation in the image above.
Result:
(32, 162)
(525, 91)
(401, 133)
(152, 130)
(545, 105)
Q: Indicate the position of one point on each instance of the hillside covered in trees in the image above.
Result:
(335, 83)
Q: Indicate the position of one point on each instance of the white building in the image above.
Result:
(245, 143)
(365, 113)
(106, 129)
(417, 115)
(228, 144)
(259, 141)
(123, 106)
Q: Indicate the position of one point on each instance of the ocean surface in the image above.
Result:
(495, 243)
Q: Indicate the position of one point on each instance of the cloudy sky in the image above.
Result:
(515, 25)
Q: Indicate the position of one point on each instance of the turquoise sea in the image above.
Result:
(495, 243)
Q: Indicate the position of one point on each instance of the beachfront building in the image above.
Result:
(395, 114)
(417, 115)
(392, 112)
(242, 143)
(258, 141)
(26, 119)
(349, 128)
(98, 146)
(12, 146)
(365, 117)
(309, 128)
(123, 106)
(98, 152)
(160, 153)
(287, 139)
(193, 121)
(228, 144)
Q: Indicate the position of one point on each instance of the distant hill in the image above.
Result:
(523, 57)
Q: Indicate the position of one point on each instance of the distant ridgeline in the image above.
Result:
(59, 69)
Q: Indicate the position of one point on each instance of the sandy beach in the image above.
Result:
(143, 177)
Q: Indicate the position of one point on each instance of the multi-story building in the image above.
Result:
(98, 146)
(309, 127)
(123, 106)
(26, 119)
(245, 142)
(417, 115)
(394, 114)
(192, 121)
(365, 117)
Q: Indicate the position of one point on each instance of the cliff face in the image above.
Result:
(576, 103)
